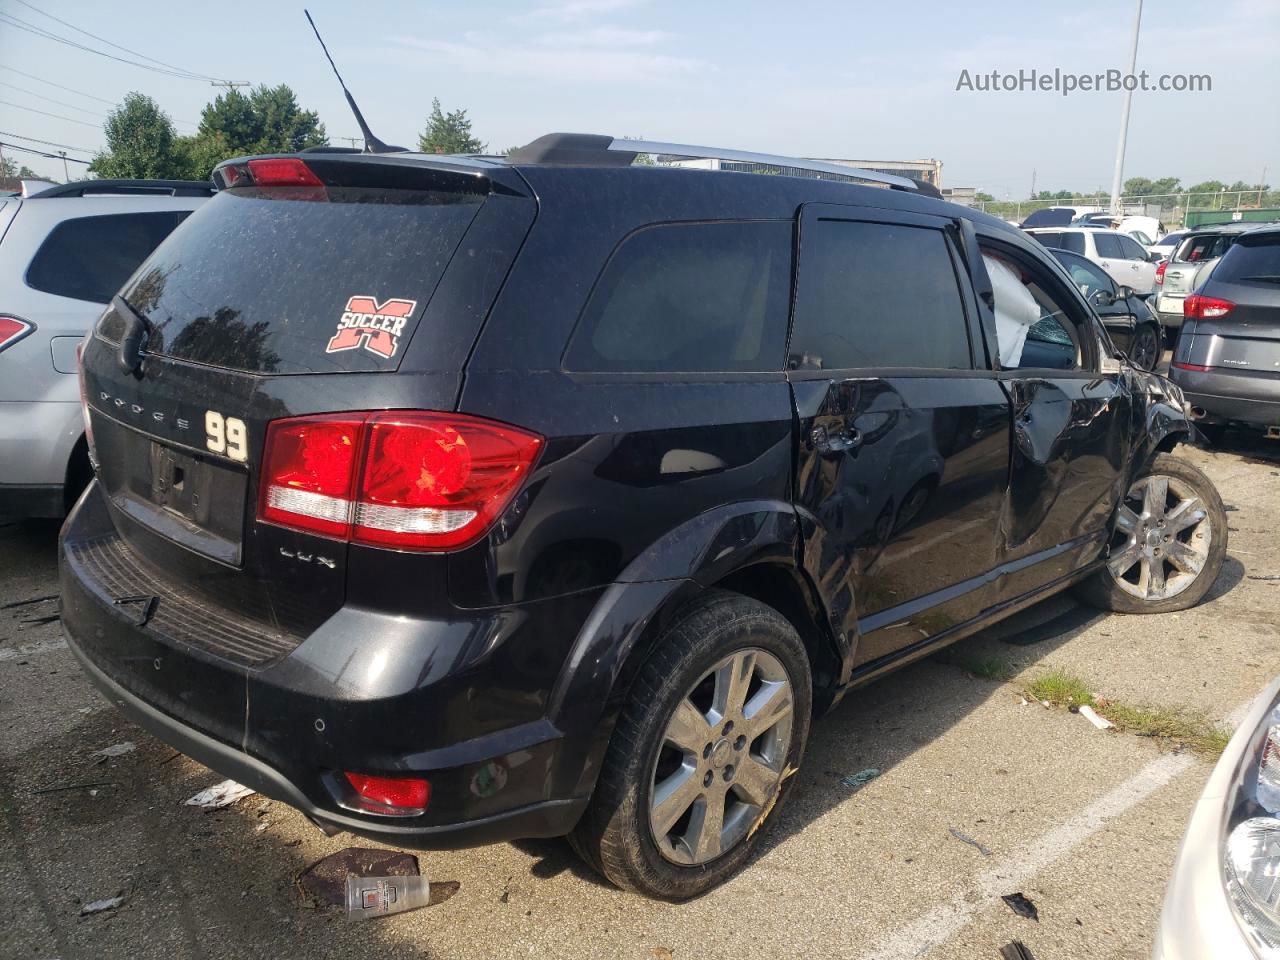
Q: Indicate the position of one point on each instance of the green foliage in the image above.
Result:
(1142, 187)
(987, 668)
(267, 120)
(140, 142)
(11, 168)
(448, 132)
(983, 197)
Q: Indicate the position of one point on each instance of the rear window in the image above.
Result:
(877, 295)
(90, 258)
(263, 284)
(689, 298)
(1205, 246)
(1254, 259)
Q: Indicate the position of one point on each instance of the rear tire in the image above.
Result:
(716, 720)
(1147, 346)
(1168, 543)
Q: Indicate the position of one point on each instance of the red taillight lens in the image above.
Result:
(1206, 308)
(417, 481)
(1160, 272)
(308, 473)
(1198, 367)
(402, 796)
(12, 330)
(282, 172)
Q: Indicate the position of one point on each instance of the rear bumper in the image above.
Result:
(1228, 397)
(365, 692)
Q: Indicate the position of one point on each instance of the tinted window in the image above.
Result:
(1071, 241)
(1087, 276)
(1108, 245)
(90, 258)
(877, 295)
(689, 297)
(1256, 259)
(1131, 249)
(261, 283)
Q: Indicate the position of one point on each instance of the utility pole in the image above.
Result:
(229, 84)
(1033, 183)
(352, 140)
(1124, 115)
(66, 174)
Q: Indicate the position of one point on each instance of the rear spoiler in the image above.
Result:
(400, 171)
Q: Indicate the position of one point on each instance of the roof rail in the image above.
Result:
(594, 150)
(132, 188)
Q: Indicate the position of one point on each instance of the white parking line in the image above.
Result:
(24, 650)
(935, 927)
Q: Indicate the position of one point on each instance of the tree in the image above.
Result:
(982, 197)
(448, 133)
(140, 142)
(11, 169)
(267, 120)
(1142, 187)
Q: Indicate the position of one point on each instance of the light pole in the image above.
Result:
(1124, 115)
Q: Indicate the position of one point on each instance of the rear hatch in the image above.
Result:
(328, 283)
(1239, 326)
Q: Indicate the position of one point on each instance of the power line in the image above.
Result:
(41, 153)
(13, 21)
(61, 103)
(32, 76)
(106, 41)
(54, 115)
(47, 143)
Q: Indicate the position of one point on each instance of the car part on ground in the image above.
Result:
(433, 545)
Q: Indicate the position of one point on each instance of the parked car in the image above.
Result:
(1192, 261)
(1222, 900)
(573, 534)
(63, 253)
(1165, 246)
(1228, 356)
(1052, 217)
(1128, 318)
(1118, 254)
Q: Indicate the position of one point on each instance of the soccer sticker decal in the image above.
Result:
(375, 326)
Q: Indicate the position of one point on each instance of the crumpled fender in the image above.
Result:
(1160, 412)
(675, 568)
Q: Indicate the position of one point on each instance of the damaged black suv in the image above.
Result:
(457, 500)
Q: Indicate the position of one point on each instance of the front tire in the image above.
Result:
(1168, 544)
(1146, 347)
(703, 752)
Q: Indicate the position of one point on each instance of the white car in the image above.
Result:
(1167, 244)
(1124, 259)
(65, 251)
(1223, 900)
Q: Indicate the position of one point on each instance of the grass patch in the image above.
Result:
(1178, 727)
(987, 668)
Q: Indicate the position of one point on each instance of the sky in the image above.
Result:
(872, 81)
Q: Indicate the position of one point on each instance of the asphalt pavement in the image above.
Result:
(1082, 822)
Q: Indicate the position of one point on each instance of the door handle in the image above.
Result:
(832, 443)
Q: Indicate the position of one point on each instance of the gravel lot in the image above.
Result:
(1083, 822)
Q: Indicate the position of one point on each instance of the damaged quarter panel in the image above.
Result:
(1159, 413)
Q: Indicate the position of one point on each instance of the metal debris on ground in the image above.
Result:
(1021, 906)
(115, 750)
(1102, 723)
(100, 906)
(24, 603)
(860, 779)
(220, 795)
(38, 621)
(965, 838)
(369, 897)
(1016, 950)
(325, 881)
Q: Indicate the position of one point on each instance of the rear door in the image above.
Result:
(1142, 270)
(273, 302)
(1110, 256)
(904, 436)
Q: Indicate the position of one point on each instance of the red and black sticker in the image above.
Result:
(375, 326)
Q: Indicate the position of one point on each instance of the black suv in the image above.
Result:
(456, 500)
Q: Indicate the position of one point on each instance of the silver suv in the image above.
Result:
(64, 252)
(1191, 263)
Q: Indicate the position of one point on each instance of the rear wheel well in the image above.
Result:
(79, 473)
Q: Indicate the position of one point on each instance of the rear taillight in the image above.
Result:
(390, 796)
(12, 330)
(1198, 367)
(282, 172)
(1160, 272)
(1197, 307)
(84, 399)
(416, 481)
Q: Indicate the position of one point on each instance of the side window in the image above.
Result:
(1033, 329)
(877, 295)
(1088, 277)
(1108, 245)
(1131, 249)
(689, 298)
(1073, 242)
(90, 258)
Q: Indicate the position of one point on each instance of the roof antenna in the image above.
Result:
(371, 143)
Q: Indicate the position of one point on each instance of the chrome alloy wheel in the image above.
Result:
(720, 764)
(1162, 538)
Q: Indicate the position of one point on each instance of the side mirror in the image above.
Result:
(1102, 298)
(1125, 292)
(1155, 256)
